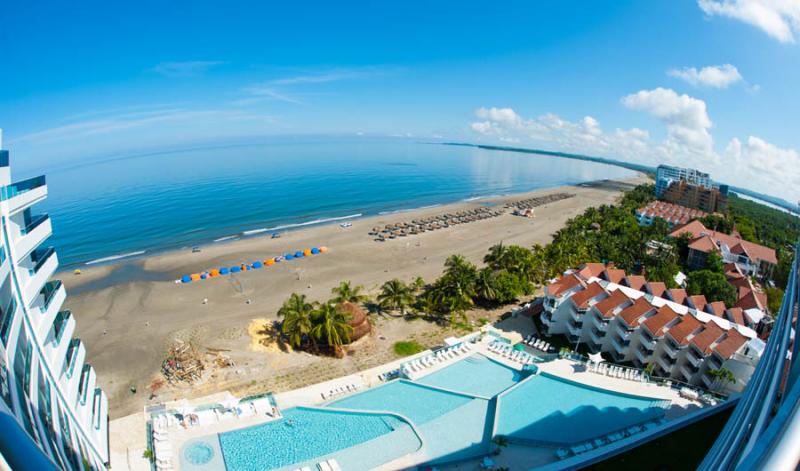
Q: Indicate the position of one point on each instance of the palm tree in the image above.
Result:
(418, 284)
(484, 285)
(396, 295)
(496, 256)
(347, 293)
(722, 376)
(297, 322)
(330, 326)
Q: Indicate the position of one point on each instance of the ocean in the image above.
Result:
(120, 208)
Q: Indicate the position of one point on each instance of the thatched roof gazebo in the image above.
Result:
(357, 320)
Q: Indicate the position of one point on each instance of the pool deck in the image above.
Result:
(129, 440)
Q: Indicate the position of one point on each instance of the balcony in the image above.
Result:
(50, 299)
(599, 323)
(707, 381)
(60, 325)
(32, 235)
(622, 331)
(643, 356)
(687, 373)
(577, 315)
(619, 345)
(45, 263)
(647, 341)
(574, 328)
(670, 349)
(23, 194)
(665, 364)
(597, 337)
(691, 356)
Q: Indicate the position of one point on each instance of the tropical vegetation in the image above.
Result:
(314, 325)
(406, 348)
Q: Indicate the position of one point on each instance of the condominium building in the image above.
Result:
(46, 387)
(672, 214)
(667, 174)
(640, 322)
(690, 188)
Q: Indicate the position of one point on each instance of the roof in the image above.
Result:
(732, 343)
(717, 308)
(614, 275)
(615, 299)
(582, 297)
(698, 301)
(754, 251)
(710, 334)
(632, 314)
(677, 295)
(672, 213)
(703, 244)
(563, 284)
(591, 269)
(751, 299)
(636, 282)
(656, 324)
(680, 333)
(736, 315)
(656, 288)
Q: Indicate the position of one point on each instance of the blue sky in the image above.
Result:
(708, 83)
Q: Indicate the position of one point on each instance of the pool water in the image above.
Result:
(548, 409)
(476, 374)
(198, 453)
(302, 434)
(416, 402)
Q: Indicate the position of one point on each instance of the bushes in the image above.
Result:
(407, 348)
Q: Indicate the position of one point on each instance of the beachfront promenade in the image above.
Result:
(130, 434)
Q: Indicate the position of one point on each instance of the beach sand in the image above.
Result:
(128, 314)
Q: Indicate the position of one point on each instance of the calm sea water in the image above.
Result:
(119, 208)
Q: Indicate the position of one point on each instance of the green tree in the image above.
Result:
(508, 286)
(396, 295)
(330, 326)
(715, 263)
(774, 299)
(722, 376)
(345, 292)
(714, 286)
(715, 222)
(297, 323)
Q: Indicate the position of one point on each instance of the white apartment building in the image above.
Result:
(45, 384)
(638, 322)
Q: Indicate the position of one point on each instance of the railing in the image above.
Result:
(16, 189)
(60, 325)
(71, 357)
(35, 222)
(39, 257)
(49, 291)
(764, 429)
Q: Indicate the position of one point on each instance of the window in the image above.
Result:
(6, 319)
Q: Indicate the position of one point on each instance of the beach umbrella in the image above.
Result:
(236, 269)
(214, 272)
(323, 249)
(269, 262)
(186, 279)
(315, 250)
(306, 252)
(298, 254)
(288, 256)
(203, 276)
(195, 276)
(223, 271)
(257, 264)
(245, 267)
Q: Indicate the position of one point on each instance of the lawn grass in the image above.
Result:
(408, 347)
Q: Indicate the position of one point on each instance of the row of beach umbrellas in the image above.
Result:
(222, 271)
(418, 226)
(531, 203)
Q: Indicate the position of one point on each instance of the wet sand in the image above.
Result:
(129, 313)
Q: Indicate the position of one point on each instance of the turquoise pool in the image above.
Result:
(476, 375)
(416, 402)
(553, 410)
(303, 434)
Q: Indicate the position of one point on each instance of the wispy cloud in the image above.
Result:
(185, 69)
(332, 75)
(259, 93)
(778, 18)
(714, 76)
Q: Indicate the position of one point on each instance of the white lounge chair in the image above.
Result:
(334, 464)
(562, 453)
(324, 466)
(305, 468)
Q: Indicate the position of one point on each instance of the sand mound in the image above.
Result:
(263, 338)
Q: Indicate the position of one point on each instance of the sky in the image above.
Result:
(710, 84)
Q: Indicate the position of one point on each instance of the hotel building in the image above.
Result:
(49, 394)
(640, 322)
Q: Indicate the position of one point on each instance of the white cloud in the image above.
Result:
(778, 18)
(685, 117)
(258, 93)
(763, 166)
(715, 76)
(185, 69)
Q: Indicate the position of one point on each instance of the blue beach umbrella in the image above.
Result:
(236, 269)
(257, 264)
(186, 279)
(298, 254)
(288, 256)
(223, 271)
(315, 250)
(203, 276)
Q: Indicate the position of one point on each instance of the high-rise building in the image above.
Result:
(667, 174)
(45, 384)
(690, 188)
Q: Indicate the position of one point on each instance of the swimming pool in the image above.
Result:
(476, 375)
(302, 434)
(548, 409)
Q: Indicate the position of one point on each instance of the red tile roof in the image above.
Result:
(710, 334)
(607, 306)
(680, 332)
(591, 269)
(631, 315)
(582, 297)
(698, 301)
(752, 300)
(672, 213)
(636, 282)
(614, 275)
(656, 288)
(756, 252)
(703, 244)
(736, 315)
(677, 295)
(717, 308)
(656, 324)
(564, 283)
(732, 343)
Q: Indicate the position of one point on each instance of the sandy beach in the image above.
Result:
(128, 314)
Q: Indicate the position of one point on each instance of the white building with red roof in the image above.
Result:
(673, 214)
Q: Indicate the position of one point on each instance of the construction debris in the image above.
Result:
(183, 363)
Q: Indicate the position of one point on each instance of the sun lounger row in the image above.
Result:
(616, 371)
(445, 354)
(389, 375)
(507, 351)
(537, 343)
(327, 465)
(590, 445)
(340, 390)
(162, 448)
